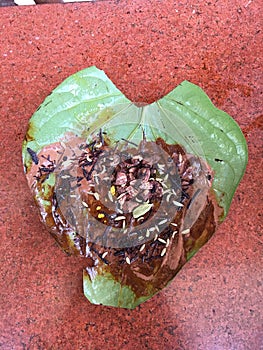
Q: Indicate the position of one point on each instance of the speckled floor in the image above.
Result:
(146, 48)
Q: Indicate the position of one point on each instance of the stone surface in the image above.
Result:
(146, 48)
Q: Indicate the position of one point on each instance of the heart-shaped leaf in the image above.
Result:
(154, 206)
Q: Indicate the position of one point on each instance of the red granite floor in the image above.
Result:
(146, 48)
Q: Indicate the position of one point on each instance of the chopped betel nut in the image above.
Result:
(137, 190)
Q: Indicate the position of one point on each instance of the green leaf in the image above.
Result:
(104, 289)
(219, 137)
(72, 107)
(88, 101)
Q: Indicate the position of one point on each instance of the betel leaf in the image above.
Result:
(116, 295)
(88, 103)
(71, 107)
(219, 136)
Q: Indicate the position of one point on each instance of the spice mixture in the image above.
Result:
(142, 206)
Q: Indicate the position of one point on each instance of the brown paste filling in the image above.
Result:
(138, 214)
